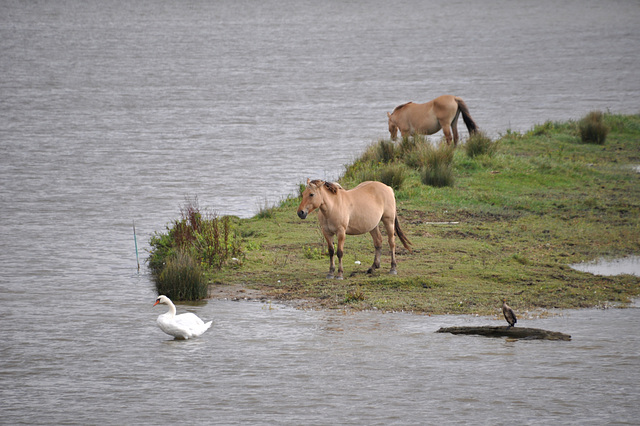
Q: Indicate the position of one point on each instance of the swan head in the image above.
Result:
(162, 300)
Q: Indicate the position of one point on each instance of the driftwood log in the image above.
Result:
(504, 331)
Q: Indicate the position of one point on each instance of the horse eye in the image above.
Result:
(311, 195)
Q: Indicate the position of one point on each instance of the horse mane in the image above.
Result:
(333, 187)
(399, 107)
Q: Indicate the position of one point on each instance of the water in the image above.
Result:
(627, 265)
(268, 364)
(114, 111)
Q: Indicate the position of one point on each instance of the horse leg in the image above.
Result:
(341, 238)
(377, 244)
(446, 129)
(389, 227)
(454, 128)
(332, 265)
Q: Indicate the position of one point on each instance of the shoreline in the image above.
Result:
(242, 293)
(509, 226)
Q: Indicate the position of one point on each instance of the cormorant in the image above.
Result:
(509, 315)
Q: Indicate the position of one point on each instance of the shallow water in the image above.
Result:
(627, 265)
(266, 363)
(111, 112)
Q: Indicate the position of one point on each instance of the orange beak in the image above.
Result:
(157, 301)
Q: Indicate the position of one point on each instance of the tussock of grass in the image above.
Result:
(393, 175)
(392, 163)
(480, 144)
(182, 278)
(593, 129)
(265, 211)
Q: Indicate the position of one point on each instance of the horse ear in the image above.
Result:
(314, 183)
(391, 119)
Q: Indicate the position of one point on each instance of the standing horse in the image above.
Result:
(428, 118)
(353, 212)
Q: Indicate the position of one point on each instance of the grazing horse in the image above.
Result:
(428, 118)
(353, 212)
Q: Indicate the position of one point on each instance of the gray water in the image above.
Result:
(626, 265)
(112, 112)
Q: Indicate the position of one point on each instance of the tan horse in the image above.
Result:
(427, 119)
(353, 212)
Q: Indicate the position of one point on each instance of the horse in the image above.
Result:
(428, 118)
(353, 212)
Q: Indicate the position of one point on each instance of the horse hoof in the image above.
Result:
(339, 277)
(329, 276)
(370, 271)
(393, 272)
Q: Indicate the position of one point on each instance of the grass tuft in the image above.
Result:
(182, 278)
(393, 175)
(386, 151)
(479, 144)
(354, 296)
(593, 129)
(265, 211)
(437, 170)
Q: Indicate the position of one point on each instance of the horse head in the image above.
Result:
(393, 128)
(311, 198)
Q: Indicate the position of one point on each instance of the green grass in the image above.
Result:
(541, 201)
(478, 144)
(191, 245)
(182, 278)
(593, 129)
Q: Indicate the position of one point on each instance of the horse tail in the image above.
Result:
(405, 241)
(472, 127)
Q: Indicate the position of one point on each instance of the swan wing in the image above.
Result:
(169, 326)
(191, 324)
(183, 326)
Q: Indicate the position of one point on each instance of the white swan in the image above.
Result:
(183, 326)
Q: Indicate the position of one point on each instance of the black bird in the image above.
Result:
(509, 315)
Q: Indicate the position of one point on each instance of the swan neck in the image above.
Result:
(172, 309)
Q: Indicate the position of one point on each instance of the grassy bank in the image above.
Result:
(507, 225)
